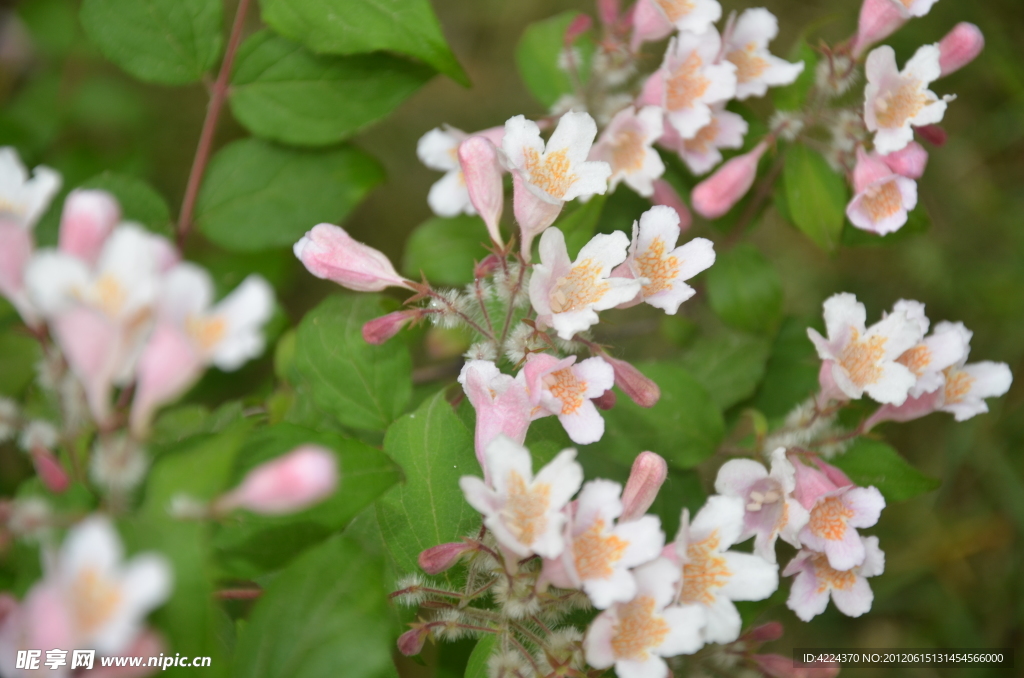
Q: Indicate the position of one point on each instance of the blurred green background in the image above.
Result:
(955, 558)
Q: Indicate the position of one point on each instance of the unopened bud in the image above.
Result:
(608, 12)
(53, 475)
(606, 400)
(577, 27)
(810, 484)
(835, 475)
(486, 266)
(909, 161)
(649, 24)
(777, 666)
(87, 220)
(933, 134)
(878, 20)
(411, 642)
(481, 170)
(329, 252)
(645, 479)
(439, 558)
(287, 484)
(379, 330)
(765, 633)
(717, 194)
(664, 194)
(960, 47)
(640, 389)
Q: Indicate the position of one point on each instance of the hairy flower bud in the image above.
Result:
(933, 134)
(286, 484)
(379, 330)
(878, 20)
(641, 390)
(606, 400)
(960, 47)
(329, 252)
(411, 642)
(645, 479)
(765, 633)
(481, 171)
(439, 558)
(909, 161)
(717, 194)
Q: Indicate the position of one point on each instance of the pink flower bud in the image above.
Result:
(87, 220)
(835, 475)
(577, 27)
(765, 633)
(869, 169)
(439, 558)
(411, 642)
(878, 20)
(487, 266)
(811, 483)
(664, 194)
(478, 158)
(645, 479)
(286, 484)
(379, 330)
(53, 475)
(908, 162)
(329, 252)
(777, 666)
(649, 24)
(933, 134)
(717, 194)
(960, 47)
(608, 12)
(633, 383)
(168, 366)
(606, 400)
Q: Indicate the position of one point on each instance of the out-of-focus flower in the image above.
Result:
(895, 100)
(878, 20)
(882, 197)
(625, 144)
(717, 194)
(501, 402)
(329, 252)
(660, 266)
(914, 8)
(438, 149)
(946, 346)
(909, 162)
(694, 16)
(88, 219)
(289, 483)
(816, 580)
(567, 390)
(961, 46)
(701, 152)
(864, 359)
(746, 46)
(967, 386)
(567, 295)
(690, 81)
(523, 511)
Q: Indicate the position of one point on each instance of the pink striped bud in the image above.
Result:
(717, 194)
(53, 475)
(664, 194)
(606, 400)
(933, 134)
(411, 642)
(645, 479)
(577, 27)
(909, 162)
(765, 633)
(481, 170)
(608, 12)
(961, 46)
(633, 383)
(289, 483)
(878, 20)
(379, 330)
(329, 252)
(87, 220)
(777, 666)
(439, 558)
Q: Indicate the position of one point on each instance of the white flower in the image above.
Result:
(625, 144)
(746, 46)
(863, 360)
(567, 295)
(967, 385)
(23, 200)
(713, 577)
(834, 517)
(701, 152)
(659, 265)
(895, 100)
(523, 511)
(635, 635)
(882, 198)
(690, 81)
(566, 390)
(438, 149)
(946, 346)
(695, 16)
(914, 8)
(770, 511)
(816, 580)
(38, 434)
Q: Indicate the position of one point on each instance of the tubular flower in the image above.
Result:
(567, 390)
(816, 580)
(438, 149)
(895, 100)
(864, 360)
(746, 46)
(502, 405)
(713, 577)
(522, 510)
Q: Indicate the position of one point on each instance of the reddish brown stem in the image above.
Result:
(218, 93)
(239, 594)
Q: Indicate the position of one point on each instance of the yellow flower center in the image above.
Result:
(580, 289)
(94, 599)
(686, 84)
(567, 387)
(881, 202)
(550, 171)
(595, 553)
(958, 385)
(704, 571)
(829, 578)
(658, 267)
(861, 358)
(894, 108)
(627, 152)
(703, 141)
(207, 332)
(675, 9)
(749, 66)
(916, 359)
(828, 519)
(525, 508)
(639, 629)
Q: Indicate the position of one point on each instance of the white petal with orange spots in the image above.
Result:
(816, 580)
(746, 47)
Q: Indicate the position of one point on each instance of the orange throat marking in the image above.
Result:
(94, 600)
(550, 171)
(686, 84)
(658, 267)
(828, 519)
(581, 288)
(861, 358)
(526, 507)
(596, 552)
(639, 629)
(829, 578)
(704, 572)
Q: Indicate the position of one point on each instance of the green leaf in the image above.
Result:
(745, 291)
(918, 222)
(435, 449)
(258, 196)
(139, 201)
(52, 25)
(19, 354)
(685, 426)
(355, 26)
(729, 366)
(580, 224)
(791, 375)
(872, 462)
(476, 667)
(254, 544)
(283, 92)
(815, 195)
(170, 42)
(325, 615)
(445, 248)
(792, 97)
(539, 57)
(363, 386)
